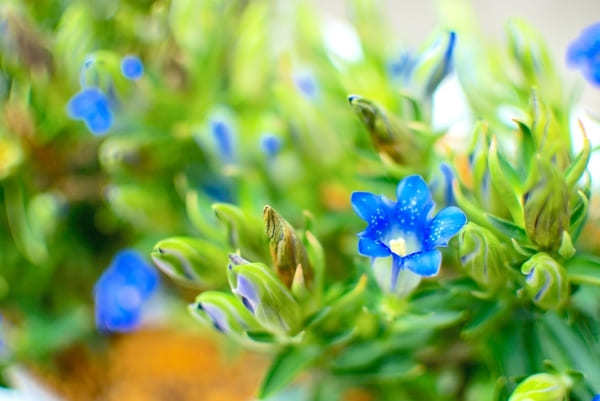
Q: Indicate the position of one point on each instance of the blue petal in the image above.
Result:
(217, 316)
(223, 136)
(270, 145)
(596, 397)
(245, 289)
(413, 200)
(373, 209)
(99, 121)
(424, 263)
(132, 67)
(372, 247)
(444, 226)
(397, 265)
(84, 102)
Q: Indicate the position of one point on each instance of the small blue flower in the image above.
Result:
(307, 84)
(584, 53)
(122, 291)
(92, 106)
(132, 67)
(404, 229)
(223, 137)
(270, 145)
(596, 397)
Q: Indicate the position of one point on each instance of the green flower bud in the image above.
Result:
(546, 206)
(266, 297)
(392, 139)
(245, 231)
(10, 157)
(191, 261)
(225, 313)
(546, 284)
(541, 387)
(287, 251)
(482, 256)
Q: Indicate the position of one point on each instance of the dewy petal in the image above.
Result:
(413, 200)
(373, 209)
(372, 247)
(424, 263)
(444, 226)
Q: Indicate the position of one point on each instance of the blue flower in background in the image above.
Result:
(132, 67)
(307, 84)
(402, 67)
(92, 106)
(223, 136)
(441, 184)
(584, 53)
(270, 145)
(444, 68)
(122, 291)
(404, 229)
(596, 397)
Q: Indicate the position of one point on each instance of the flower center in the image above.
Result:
(404, 244)
(398, 246)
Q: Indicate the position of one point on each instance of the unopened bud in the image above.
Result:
(225, 313)
(546, 206)
(546, 284)
(482, 256)
(271, 303)
(245, 232)
(287, 251)
(541, 387)
(191, 261)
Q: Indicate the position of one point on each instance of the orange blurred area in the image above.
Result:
(156, 365)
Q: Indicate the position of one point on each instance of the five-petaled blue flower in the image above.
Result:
(584, 53)
(404, 229)
(132, 67)
(122, 291)
(92, 106)
(270, 145)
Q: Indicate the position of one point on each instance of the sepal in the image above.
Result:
(546, 284)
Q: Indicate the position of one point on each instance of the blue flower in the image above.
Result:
(223, 136)
(306, 84)
(402, 67)
(92, 106)
(584, 53)
(404, 229)
(270, 145)
(122, 291)
(132, 67)
(596, 397)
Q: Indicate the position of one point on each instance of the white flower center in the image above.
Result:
(398, 246)
(405, 243)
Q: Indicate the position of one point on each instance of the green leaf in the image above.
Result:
(506, 187)
(286, 366)
(507, 228)
(580, 163)
(584, 269)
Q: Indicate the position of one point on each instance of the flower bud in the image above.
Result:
(392, 139)
(245, 231)
(546, 284)
(265, 297)
(482, 256)
(541, 387)
(225, 313)
(287, 251)
(192, 261)
(546, 206)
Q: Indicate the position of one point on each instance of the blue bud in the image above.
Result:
(92, 106)
(307, 84)
(132, 67)
(223, 137)
(270, 145)
(122, 292)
